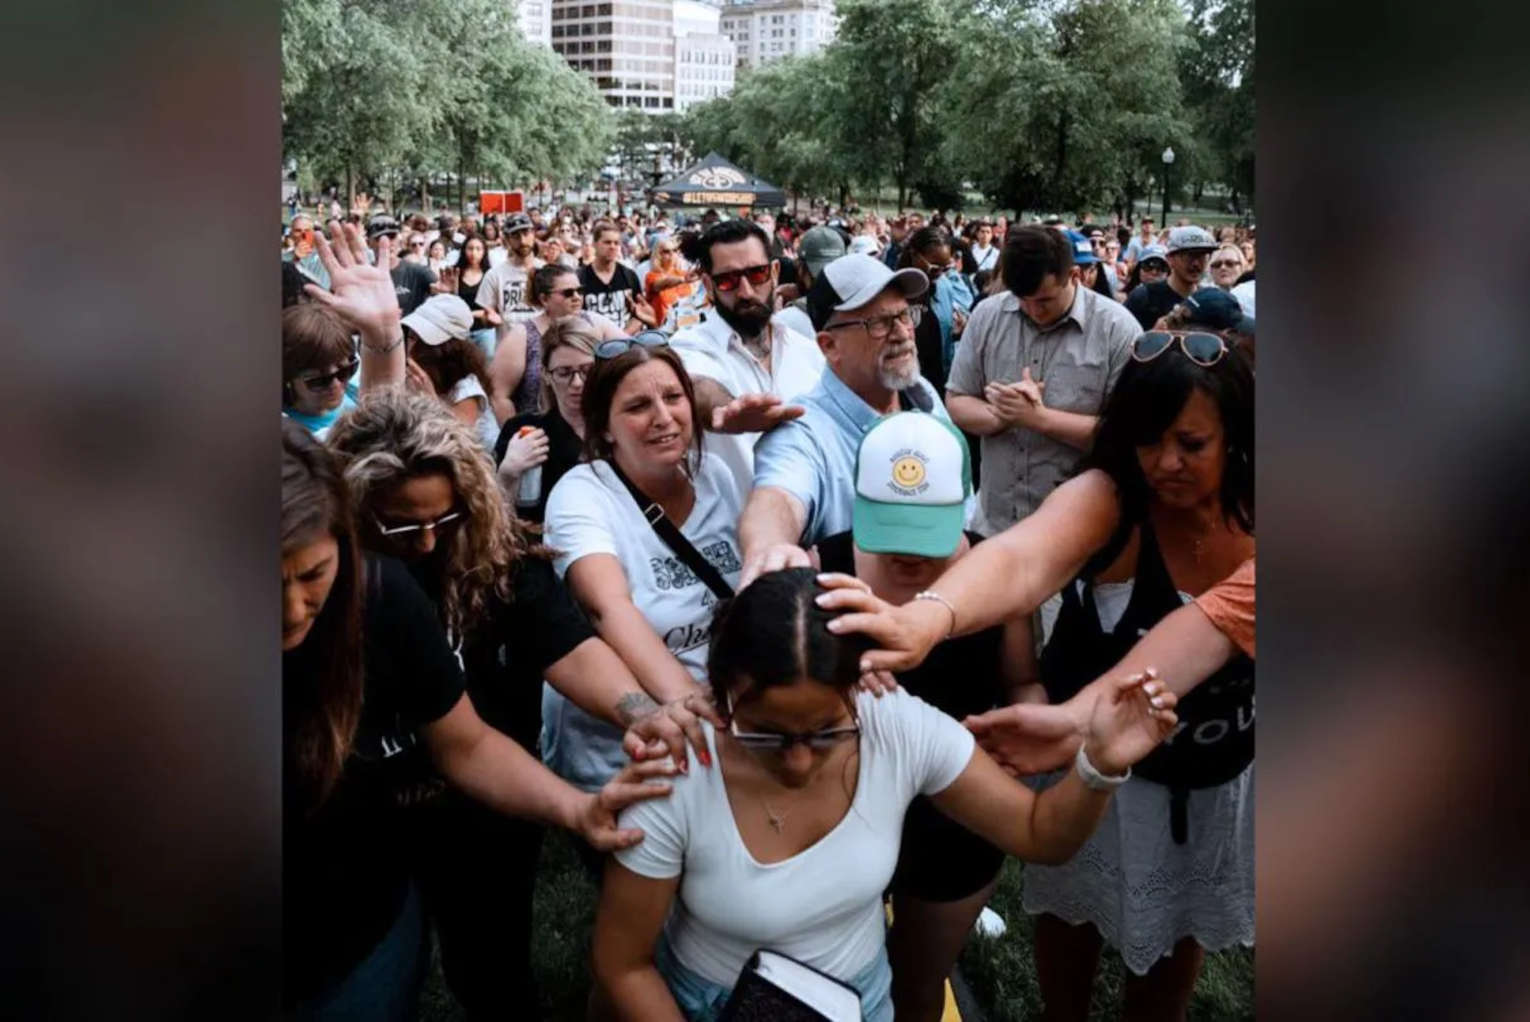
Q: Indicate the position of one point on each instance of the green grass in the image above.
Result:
(1002, 974)
(999, 971)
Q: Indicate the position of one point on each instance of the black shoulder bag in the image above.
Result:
(672, 537)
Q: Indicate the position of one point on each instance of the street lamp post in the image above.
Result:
(1168, 161)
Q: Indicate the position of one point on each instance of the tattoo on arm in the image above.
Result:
(633, 707)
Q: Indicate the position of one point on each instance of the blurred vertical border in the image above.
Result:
(141, 825)
(138, 222)
(1394, 228)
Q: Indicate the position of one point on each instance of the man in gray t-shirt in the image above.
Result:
(1032, 373)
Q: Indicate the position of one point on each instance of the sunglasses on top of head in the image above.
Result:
(1202, 348)
(618, 346)
(729, 279)
(323, 381)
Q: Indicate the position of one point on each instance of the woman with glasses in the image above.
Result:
(517, 366)
(1150, 269)
(929, 251)
(1226, 266)
(646, 600)
(668, 282)
(369, 686)
(551, 437)
(789, 843)
(423, 492)
(1162, 511)
(318, 361)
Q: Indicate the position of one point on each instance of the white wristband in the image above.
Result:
(1091, 776)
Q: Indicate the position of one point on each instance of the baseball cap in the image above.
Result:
(380, 225)
(913, 474)
(864, 244)
(854, 280)
(1083, 248)
(1218, 309)
(1153, 252)
(517, 222)
(439, 319)
(820, 246)
(1190, 239)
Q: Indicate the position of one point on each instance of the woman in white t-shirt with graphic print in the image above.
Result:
(790, 841)
(639, 415)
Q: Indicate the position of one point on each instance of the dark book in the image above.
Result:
(775, 988)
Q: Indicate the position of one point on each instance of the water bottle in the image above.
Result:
(530, 489)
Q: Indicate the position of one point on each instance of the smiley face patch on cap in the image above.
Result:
(913, 475)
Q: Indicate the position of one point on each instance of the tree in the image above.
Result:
(1217, 72)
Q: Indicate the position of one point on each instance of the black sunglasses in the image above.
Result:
(621, 345)
(323, 381)
(568, 293)
(1201, 348)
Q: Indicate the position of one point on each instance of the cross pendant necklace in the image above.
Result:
(777, 820)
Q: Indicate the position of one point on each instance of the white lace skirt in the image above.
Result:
(1144, 892)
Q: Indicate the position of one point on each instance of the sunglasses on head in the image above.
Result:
(729, 279)
(1201, 348)
(323, 381)
(621, 345)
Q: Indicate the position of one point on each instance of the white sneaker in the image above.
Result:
(989, 923)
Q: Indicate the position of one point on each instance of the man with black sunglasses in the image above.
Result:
(743, 364)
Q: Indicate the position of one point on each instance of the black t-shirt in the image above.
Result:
(345, 869)
(612, 300)
(960, 676)
(1151, 302)
(564, 449)
(507, 658)
(411, 282)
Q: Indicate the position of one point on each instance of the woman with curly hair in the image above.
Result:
(366, 675)
(425, 493)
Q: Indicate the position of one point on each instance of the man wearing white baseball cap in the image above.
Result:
(804, 470)
(913, 475)
(1188, 250)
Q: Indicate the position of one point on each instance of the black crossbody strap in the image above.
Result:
(674, 539)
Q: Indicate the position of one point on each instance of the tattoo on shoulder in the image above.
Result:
(634, 706)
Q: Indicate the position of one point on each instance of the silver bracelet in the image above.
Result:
(930, 594)
(1091, 776)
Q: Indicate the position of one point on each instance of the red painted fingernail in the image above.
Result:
(704, 756)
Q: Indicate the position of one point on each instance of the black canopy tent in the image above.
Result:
(716, 182)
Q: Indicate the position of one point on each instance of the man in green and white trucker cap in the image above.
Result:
(913, 475)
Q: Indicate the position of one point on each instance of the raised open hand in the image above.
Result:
(360, 292)
(753, 413)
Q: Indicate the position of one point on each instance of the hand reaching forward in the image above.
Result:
(904, 634)
(1128, 721)
(773, 558)
(360, 292)
(1032, 738)
(753, 413)
(596, 822)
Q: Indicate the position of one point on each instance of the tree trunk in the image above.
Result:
(425, 193)
(350, 189)
(461, 185)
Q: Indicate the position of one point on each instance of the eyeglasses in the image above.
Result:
(878, 327)
(568, 293)
(621, 345)
(763, 741)
(563, 374)
(1155, 267)
(935, 270)
(1220, 263)
(729, 279)
(1201, 348)
(413, 527)
(324, 381)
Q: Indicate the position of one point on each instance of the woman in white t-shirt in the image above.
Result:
(639, 421)
(789, 843)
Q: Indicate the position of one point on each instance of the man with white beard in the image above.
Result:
(805, 469)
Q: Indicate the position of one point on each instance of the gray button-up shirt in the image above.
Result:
(1078, 358)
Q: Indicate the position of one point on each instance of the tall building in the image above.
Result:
(767, 30)
(535, 17)
(655, 55)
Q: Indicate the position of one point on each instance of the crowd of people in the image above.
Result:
(799, 568)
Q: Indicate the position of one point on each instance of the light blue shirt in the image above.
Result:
(951, 293)
(813, 457)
